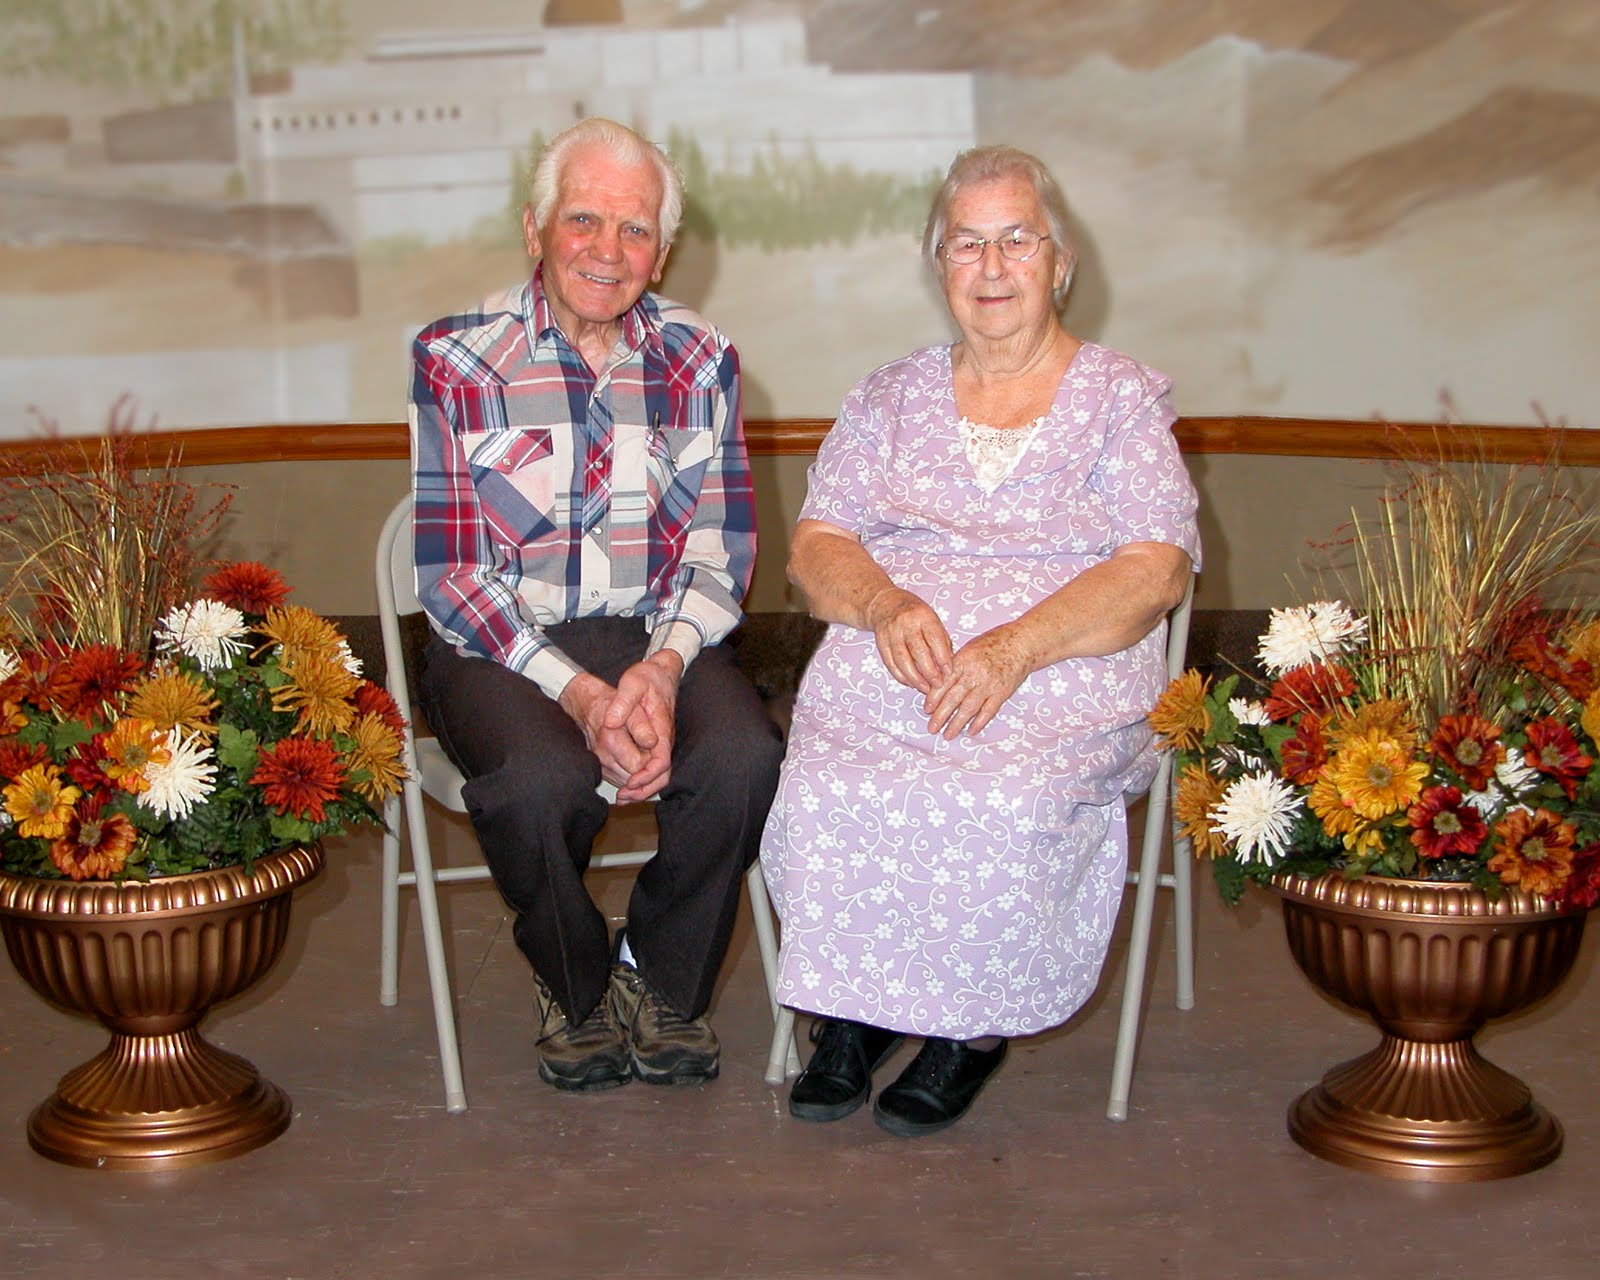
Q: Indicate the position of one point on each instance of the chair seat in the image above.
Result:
(439, 778)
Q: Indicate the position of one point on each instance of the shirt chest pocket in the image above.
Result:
(514, 474)
(674, 454)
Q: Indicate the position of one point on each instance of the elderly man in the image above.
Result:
(584, 536)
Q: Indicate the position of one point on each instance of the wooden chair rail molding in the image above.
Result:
(1279, 437)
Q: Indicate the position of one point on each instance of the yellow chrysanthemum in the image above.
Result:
(172, 699)
(301, 633)
(377, 753)
(130, 748)
(1591, 716)
(1376, 775)
(1386, 717)
(319, 689)
(1198, 793)
(40, 802)
(1180, 717)
(1365, 838)
(1326, 802)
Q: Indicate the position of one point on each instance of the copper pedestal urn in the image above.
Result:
(1430, 963)
(148, 960)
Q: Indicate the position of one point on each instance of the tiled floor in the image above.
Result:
(374, 1179)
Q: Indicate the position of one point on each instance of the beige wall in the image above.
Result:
(317, 522)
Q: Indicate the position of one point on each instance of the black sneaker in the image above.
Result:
(936, 1088)
(838, 1079)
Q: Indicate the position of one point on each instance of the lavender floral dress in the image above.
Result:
(968, 888)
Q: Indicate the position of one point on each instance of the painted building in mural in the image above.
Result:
(425, 136)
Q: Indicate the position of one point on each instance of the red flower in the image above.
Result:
(1306, 752)
(93, 676)
(1442, 825)
(298, 776)
(83, 766)
(247, 586)
(1534, 851)
(34, 681)
(1314, 687)
(374, 700)
(16, 759)
(1553, 750)
(1537, 651)
(1471, 746)
(96, 844)
(1582, 889)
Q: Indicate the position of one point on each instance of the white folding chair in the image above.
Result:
(435, 777)
(1147, 878)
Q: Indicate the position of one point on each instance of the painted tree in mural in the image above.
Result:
(173, 48)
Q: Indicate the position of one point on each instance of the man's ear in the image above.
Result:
(530, 233)
(661, 261)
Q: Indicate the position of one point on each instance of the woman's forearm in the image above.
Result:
(842, 583)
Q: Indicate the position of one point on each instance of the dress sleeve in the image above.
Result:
(1141, 477)
(844, 486)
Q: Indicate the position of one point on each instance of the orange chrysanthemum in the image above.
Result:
(298, 776)
(1539, 653)
(1325, 801)
(1385, 716)
(16, 758)
(1444, 825)
(95, 845)
(377, 754)
(1179, 718)
(1316, 688)
(130, 747)
(1471, 746)
(1554, 752)
(247, 586)
(1306, 752)
(40, 802)
(92, 677)
(301, 633)
(1198, 793)
(172, 699)
(1591, 717)
(374, 700)
(1376, 776)
(319, 689)
(1534, 851)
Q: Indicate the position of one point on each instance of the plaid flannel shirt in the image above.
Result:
(545, 493)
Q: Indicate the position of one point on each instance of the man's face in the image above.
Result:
(601, 245)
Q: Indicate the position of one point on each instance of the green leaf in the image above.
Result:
(237, 748)
(1230, 877)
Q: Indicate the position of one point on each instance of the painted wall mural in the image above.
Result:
(238, 213)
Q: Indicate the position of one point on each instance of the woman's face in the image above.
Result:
(995, 299)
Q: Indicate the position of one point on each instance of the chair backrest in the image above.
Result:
(394, 574)
(1178, 632)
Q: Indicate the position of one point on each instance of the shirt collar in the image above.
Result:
(640, 322)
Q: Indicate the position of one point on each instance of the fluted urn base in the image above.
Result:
(148, 960)
(1430, 963)
(158, 1101)
(1426, 1112)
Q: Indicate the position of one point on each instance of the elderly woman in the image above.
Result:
(996, 530)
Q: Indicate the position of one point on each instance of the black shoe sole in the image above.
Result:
(594, 1082)
(683, 1073)
(826, 1112)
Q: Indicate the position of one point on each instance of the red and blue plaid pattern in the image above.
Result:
(546, 493)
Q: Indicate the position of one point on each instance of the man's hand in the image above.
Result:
(588, 700)
(645, 709)
(912, 641)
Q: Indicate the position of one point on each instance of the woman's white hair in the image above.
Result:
(626, 147)
(985, 164)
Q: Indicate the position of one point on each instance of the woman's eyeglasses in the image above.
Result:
(1017, 245)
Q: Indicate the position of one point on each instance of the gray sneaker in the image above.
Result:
(666, 1047)
(590, 1056)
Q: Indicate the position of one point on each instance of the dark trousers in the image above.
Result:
(530, 793)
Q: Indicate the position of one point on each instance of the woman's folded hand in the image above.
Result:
(983, 674)
(912, 641)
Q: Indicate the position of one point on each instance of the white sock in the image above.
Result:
(625, 953)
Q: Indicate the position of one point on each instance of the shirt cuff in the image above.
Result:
(682, 638)
(550, 669)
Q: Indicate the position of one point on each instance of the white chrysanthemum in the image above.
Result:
(1512, 775)
(184, 781)
(1256, 813)
(1247, 711)
(348, 659)
(9, 662)
(208, 631)
(1308, 633)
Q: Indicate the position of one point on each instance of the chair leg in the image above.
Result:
(782, 1054)
(444, 1016)
(1183, 917)
(1139, 942)
(389, 906)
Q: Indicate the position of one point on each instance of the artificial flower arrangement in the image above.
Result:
(1444, 728)
(147, 732)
